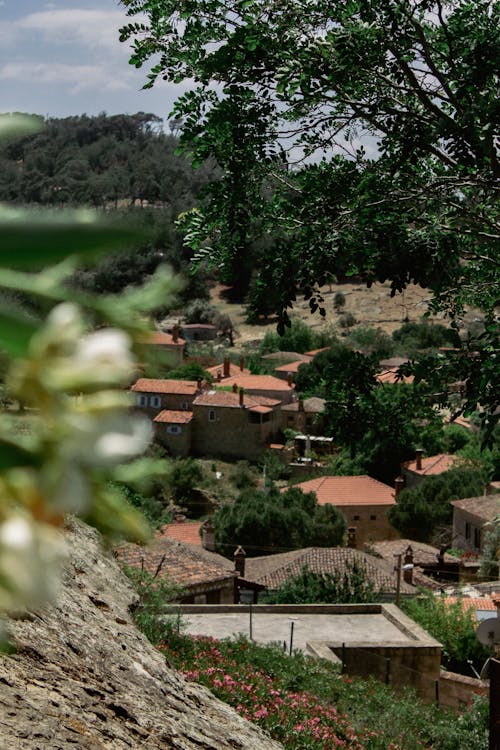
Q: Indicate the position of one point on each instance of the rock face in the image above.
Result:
(84, 677)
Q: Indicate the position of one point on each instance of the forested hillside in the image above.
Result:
(100, 161)
(119, 162)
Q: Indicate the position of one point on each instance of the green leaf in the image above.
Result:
(16, 331)
(32, 238)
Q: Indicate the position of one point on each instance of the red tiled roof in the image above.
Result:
(358, 490)
(171, 416)
(317, 351)
(258, 382)
(184, 564)
(232, 400)
(162, 339)
(391, 376)
(274, 570)
(432, 465)
(291, 367)
(483, 603)
(189, 533)
(175, 387)
(233, 370)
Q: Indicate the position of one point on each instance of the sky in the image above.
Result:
(63, 58)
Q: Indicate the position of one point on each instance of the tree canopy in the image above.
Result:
(266, 522)
(355, 137)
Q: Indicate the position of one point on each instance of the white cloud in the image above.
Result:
(92, 28)
(77, 78)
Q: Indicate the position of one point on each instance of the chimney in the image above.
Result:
(199, 383)
(208, 536)
(407, 562)
(235, 387)
(418, 459)
(242, 364)
(239, 561)
(226, 367)
(175, 333)
(219, 376)
(301, 404)
(399, 484)
(351, 537)
(289, 379)
(242, 397)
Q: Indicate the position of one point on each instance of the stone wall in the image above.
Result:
(371, 523)
(83, 676)
(457, 691)
(230, 433)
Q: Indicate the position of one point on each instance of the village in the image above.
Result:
(239, 416)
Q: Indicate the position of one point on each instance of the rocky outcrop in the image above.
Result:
(84, 677)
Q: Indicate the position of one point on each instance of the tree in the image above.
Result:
(425, 509)
(454, 627)
(310, 587)
(276, 81)
(266, 522)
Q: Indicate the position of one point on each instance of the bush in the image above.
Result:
(307, 705)
(309, 587)
(454, 627)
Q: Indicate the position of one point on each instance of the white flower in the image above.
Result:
(106, 439)
(30, 558)
(104, 356)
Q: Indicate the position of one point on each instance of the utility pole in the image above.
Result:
(397, 569)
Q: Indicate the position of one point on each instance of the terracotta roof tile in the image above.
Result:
(317, 351)
(171, 416)
(343, 491)
(175, 387)
(234, 370)
(163, 339)
(291, 367)
(273, 570)
(230, 399)
(484, 508)
(390, 375)
(189, 533)
(259, 382)
(432, 465)
(184, 564)
(483, 603)
(422, 553)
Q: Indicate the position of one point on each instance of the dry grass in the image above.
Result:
(372, 307)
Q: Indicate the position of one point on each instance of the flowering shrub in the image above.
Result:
(307, 705)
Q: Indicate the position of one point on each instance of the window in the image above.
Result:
(184, 406)
(211, 415)
(467, 530)
(141, 400)
(356, 518)
(477, 538)
(373, 518)
(174, 429)
(155, 401)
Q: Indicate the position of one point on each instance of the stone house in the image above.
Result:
(203, 577)
(233, 424)
(262, 386)
(469, 518)
(288, 371)
(170, 344)
(272, 571)
(227, 370)
(305, 415)
(153, 395)
(364, 501)
(199, 331)
(414, 472)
